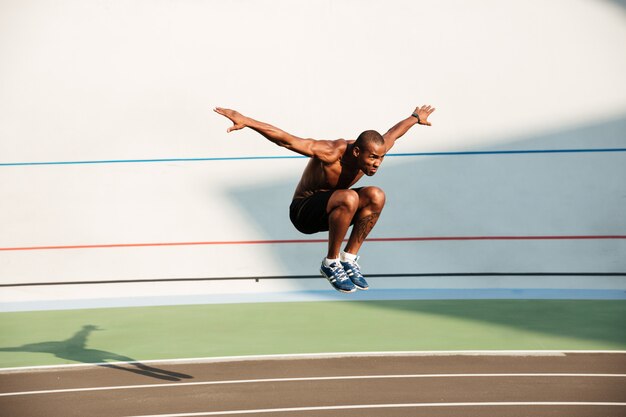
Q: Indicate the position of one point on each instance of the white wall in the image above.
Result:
(114, 80)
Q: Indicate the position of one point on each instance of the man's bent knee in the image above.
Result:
(346, 199)
(373, 197)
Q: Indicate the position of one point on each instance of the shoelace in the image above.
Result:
(341, 274)
(358, 268)
(354, 263)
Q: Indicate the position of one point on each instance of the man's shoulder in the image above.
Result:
(333, 150)
(341, 144)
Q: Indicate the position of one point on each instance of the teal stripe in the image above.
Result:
(135, 161)
(260, 157)
(529, 151)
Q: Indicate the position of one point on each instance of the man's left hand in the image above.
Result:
(423, 113)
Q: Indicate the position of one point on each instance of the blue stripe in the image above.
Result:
(136, 161)
(242, 158)
(531, 151)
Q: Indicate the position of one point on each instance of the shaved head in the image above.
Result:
(369, 137)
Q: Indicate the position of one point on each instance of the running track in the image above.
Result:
(469, 384)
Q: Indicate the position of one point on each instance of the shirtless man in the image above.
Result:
(324, 201)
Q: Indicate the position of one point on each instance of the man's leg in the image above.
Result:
(341, 208)
(371, 203)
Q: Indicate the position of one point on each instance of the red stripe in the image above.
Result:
(282, 241)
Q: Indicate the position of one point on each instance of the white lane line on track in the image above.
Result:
(304, 379)
(375, 406)
(326, 355)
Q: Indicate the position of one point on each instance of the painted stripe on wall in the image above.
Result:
(241, 158)
(298, 241)
(258, 278)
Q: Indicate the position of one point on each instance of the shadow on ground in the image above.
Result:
(75, 349)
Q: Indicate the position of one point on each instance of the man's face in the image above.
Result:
(370, 157)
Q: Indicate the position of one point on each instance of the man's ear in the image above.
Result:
(356, 151)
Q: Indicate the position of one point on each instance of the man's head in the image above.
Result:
(369, 150)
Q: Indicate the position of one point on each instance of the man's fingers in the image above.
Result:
(425, 108)
(222, 111)
(233, 116)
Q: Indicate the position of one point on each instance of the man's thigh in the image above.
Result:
(309, 215)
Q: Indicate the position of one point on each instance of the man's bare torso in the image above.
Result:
(340, 172)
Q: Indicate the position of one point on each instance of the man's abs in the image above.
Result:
(318, 176)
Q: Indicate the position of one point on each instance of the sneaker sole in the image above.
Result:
(358, 287)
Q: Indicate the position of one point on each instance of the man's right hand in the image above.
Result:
(237, 118)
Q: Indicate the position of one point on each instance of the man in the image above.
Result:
(324, 201)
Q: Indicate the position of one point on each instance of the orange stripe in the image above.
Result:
(298, 241)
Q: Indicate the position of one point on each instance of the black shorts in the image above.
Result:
(308, 214)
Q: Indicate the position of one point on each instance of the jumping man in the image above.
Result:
(324, 201)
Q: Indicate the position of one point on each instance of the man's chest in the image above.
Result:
(338, 176)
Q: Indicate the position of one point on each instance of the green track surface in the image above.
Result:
(143, 333)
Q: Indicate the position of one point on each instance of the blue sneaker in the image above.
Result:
(337, 277)
(354, 273)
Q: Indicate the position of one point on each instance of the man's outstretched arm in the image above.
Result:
(419, 116)
(322, 149)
